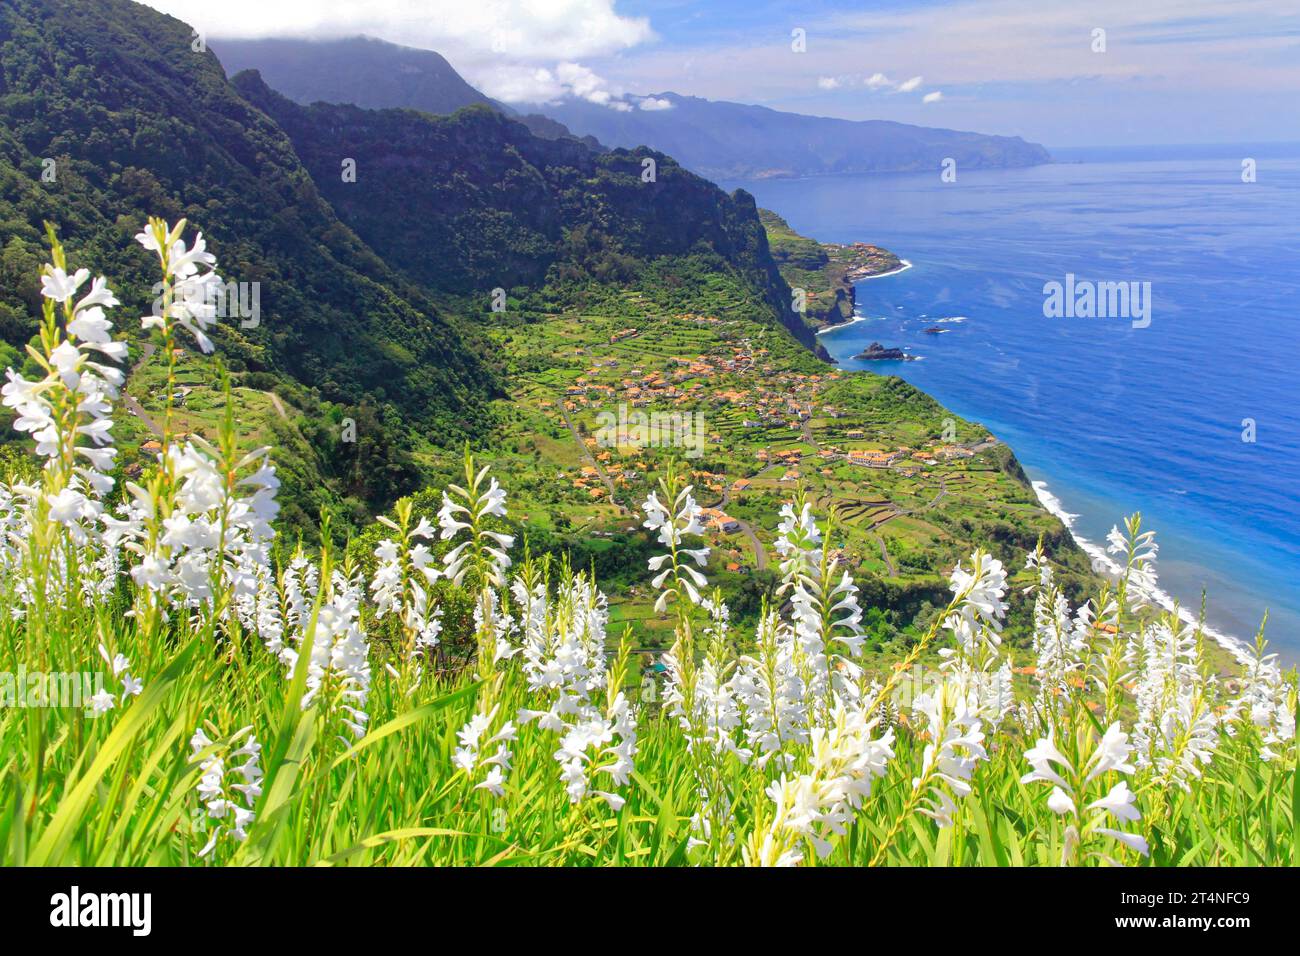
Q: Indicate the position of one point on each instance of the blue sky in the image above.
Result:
(1171, 71)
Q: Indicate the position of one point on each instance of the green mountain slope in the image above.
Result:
(358, 70)
(825, 271)
(137, 122)
(376, 289)
(485, 204)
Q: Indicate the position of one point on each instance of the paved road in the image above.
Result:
(884, 555)
(943, 490)
(808, 433)
(279, 405)
(760, 553)
(134, 407)
(582, 446)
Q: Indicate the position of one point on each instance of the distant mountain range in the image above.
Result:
(716, 139)
(369, 73)
(737, 141)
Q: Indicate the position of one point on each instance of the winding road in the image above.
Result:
(760, 553)
(134, 407)
(884, 556)
(582, 446)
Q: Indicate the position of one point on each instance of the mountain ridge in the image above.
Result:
(361, 70)
(717, 139)
(139, 123)
(490, 205)
(369, 73)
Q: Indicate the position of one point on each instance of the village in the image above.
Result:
(764, 399)
(772, 428)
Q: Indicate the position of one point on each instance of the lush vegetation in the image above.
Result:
(432, 699)
(750, 630)
(487, 205)
(376, 364)
(110, 115)
(766, 420)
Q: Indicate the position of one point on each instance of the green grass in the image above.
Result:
(120, 789)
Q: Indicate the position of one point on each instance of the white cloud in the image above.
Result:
(828, 83)
(878, 81)
(654, 103)
(517, 51)
(538, 30)
(516, 83)
(934, 97)
(583, 83)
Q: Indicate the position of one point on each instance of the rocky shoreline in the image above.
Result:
(825, 272)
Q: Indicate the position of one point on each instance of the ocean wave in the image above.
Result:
(1104, 563)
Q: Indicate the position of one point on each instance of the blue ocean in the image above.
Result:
(1193, 420)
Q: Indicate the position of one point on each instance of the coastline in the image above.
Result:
(842, 325)
(856, 279)
(1103, 563)
(880, 275)
(1246, 560)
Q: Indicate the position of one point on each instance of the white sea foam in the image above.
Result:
(843, 325)
(892, 272)
(1103, 562)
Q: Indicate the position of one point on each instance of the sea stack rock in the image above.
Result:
(875, 352)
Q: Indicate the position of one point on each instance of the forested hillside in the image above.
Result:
(129, 120)
(486, 204)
